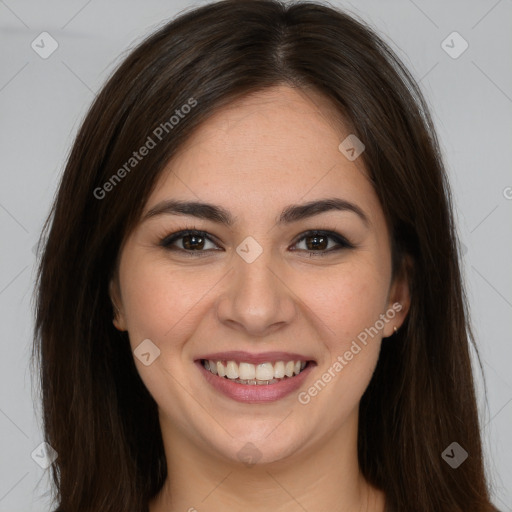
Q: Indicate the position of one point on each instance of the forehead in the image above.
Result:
(276, 122)
(264, 150)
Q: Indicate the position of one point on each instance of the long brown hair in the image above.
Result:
(97, 413)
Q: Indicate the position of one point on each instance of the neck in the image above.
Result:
(324, 475)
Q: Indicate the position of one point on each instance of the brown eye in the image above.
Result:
(319, 242)
(188, 241)
(191, 242)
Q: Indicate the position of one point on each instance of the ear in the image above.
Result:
(399, 299)
(119, 320)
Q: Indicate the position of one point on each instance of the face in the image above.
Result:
(271, 285)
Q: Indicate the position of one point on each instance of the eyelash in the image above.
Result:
(168, 240)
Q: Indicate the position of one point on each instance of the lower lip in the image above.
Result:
(256, 393)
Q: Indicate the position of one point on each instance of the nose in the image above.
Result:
(257, 299)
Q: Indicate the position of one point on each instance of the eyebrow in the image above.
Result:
(291, 213)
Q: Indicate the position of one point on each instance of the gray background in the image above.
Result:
(42, 102)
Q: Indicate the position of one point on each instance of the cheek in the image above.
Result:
(163, 303)
(348, 303)
(347, 299)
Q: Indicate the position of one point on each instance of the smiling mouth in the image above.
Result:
(255, 374)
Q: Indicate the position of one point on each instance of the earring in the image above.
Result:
(395, 329)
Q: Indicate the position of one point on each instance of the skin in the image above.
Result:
(254, 158)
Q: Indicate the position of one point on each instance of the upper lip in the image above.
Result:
(262, 357)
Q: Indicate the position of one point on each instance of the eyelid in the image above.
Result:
(177, 235)
(337, 237)
(341, 241)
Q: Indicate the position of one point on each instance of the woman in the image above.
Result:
(250, 294)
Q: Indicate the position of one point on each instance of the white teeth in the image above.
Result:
(220, 369)
(265, 371)
(248, 373)
(232, 370)
(279, 370)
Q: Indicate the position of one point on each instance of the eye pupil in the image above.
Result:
(316, 244)
(190, 240)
